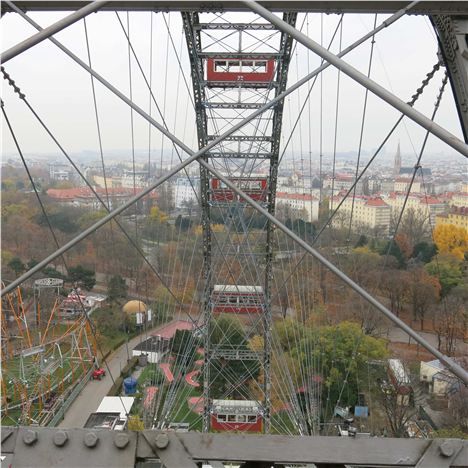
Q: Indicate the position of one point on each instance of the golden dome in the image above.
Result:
(133, 307)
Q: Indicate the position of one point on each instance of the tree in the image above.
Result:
(424, 290)
(424, 251)
(404, 245)
(450, 319)
(451, 239)
(447, 269)
(361, 262)
(394, 284)
(414, 224)
(116, 288)
(362, 241)
(390, 398)
(343, 351)
(458, 405)
(183, 346)
(165, 198)
(392, 249)
(231, 376)
(83, 276)
(16, 265)
(183, 223)
(110, 321)
(65, 220)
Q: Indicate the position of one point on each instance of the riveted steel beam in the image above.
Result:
(429, 7)
(236, 26)
(452, 34)
(67, 448)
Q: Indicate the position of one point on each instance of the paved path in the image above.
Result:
(94, 391)
(397, 335)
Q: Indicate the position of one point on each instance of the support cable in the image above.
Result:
(132, 241)
(413, 100)
(86, 317)
(361, 134)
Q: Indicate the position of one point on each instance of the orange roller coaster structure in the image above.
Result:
(42, 360)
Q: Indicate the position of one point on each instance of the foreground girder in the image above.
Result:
(454, 8)
(50, 447)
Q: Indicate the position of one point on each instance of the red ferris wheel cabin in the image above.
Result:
(255, 188)
(233, 299)
(234, 70)
(236, 415)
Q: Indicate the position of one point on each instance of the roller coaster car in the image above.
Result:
(98, 374)
(234, 70)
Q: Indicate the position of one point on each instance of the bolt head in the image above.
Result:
(29, 437)
(162, 441)
(447, 449)
(90, 439)
(121, 440)
(60, 438)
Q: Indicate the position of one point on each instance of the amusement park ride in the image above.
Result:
(44, 355)
(47, 360)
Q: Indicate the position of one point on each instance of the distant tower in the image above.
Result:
(397, 163)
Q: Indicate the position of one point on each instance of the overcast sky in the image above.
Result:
(60, 91)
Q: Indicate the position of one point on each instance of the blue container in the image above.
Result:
(130, 385)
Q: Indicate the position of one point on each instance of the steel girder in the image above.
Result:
(192, 36)
(455, 8)
(452, 33)
(269, 139)
(52, 447)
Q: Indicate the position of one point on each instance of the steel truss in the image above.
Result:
(40, 446)
(430, 450)
(428, 7)
(260, 142)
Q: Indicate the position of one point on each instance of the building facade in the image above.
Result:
(300, 203)
(369, 211)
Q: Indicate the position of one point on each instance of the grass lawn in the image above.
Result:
(181, 411)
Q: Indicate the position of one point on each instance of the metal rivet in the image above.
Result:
(60, 438)
(121, 440)
(90, 439)
(29, 437)
(162, 441)
(447, 449)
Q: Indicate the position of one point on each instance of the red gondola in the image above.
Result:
(236, 415)
(256, 188)
(234, 70)
(237, 299)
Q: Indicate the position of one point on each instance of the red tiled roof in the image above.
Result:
(375, 202)
(431, 200)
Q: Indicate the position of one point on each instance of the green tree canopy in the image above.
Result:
(16, 265)
(343, 352)
(80, 274)
(447, 269)
(116, 288)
